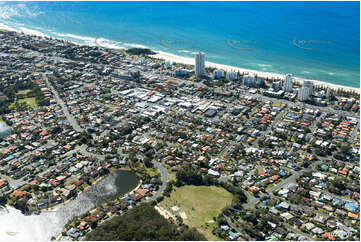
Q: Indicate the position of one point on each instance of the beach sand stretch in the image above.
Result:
(190, 61)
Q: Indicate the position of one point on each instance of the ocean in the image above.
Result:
(312, 40)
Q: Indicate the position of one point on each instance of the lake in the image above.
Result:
(50, 223)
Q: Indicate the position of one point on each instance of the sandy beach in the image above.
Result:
(190, 61)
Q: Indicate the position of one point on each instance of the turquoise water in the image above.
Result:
(313, 40)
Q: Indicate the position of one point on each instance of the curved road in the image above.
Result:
(165, 176)
(83, 150)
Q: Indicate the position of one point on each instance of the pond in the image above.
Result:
(15, 226)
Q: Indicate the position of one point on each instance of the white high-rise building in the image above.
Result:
(303, 93)
(287, 84)
(259, 81)
(200, 64)
(309, 85)
(168, 64)
(143, 61)
(248, 80)
(276, 86)
(231, 75)
(328, 93)
(218, 74)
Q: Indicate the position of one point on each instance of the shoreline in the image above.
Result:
(190, 61)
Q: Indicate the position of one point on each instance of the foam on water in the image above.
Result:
(6, 27)
(78, 37)
(264, 65)
(109, 43)
(135, 45)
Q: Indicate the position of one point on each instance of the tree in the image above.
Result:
(148, 162)
(3, 200)
(188, 177)
(159, 199)
(85, 138)
(179, 220)
(21, 204)
(93, 224)
(345, 149)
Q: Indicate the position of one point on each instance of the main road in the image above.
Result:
(69, 117)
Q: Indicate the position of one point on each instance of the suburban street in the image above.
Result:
(14, 183)
(253, 200)
(83, 150)
(296, 231)
(249, 238)
(354, 132)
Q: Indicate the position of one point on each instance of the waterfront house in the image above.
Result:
(74, 233)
